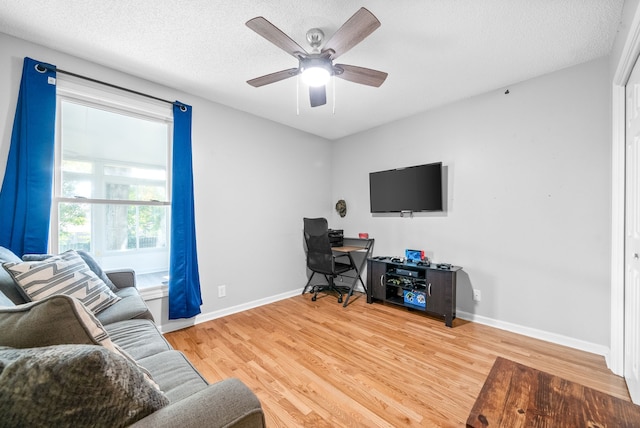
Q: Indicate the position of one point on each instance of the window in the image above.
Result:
(112, 191)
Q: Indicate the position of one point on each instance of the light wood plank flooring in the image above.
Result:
(318, 364)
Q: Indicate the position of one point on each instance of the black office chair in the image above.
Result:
(320, 258)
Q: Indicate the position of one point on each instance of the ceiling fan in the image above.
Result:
(317, 67)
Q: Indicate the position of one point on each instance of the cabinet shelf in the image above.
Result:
(395, 300)
(423, 288)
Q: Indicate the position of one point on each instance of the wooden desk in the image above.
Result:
(348, 249)
(515, 395)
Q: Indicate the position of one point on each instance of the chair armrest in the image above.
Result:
(224, 404)
(122, 278)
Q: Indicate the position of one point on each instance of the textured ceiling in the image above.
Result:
(435, 51)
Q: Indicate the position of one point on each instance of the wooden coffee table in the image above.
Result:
(515, 395)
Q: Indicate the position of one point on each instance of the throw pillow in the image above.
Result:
(67, 274)
(73, 385)
(56, 320)
(95, 267)
(88, 259)
(8, 286)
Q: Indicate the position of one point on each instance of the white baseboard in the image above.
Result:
(502, 325)
(177, 325)
(538, 334)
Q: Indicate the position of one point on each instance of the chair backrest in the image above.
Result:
(316, 236)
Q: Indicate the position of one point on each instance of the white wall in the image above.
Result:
(254, 182)
(528, 195)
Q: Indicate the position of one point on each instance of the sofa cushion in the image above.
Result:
(73, 385)
(174, 374)
(8, 286)
(130, 306)
(66, 274)
(139, 338)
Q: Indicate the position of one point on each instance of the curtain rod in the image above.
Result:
(43, 68)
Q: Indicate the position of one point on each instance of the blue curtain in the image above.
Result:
(25, 197)
(184, 280)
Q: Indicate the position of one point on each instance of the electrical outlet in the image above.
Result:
(222, 290)
(476, 295)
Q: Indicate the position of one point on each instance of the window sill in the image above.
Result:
(153, 285)
(152, 292)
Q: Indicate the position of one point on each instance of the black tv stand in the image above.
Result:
(425, 288)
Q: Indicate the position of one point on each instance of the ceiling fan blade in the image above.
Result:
(317, 95)
(364, 76)
(273, 77)
(352, 32)
(272, 33)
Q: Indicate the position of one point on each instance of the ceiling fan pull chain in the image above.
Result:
(333, 89)
(298, 95)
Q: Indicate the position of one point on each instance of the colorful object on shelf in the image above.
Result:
(414, 256)
(415, 298)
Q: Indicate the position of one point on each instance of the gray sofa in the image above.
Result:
(59, 325)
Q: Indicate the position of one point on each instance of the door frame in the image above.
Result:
(630, 53)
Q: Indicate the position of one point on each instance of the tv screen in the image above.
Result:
(415, 188)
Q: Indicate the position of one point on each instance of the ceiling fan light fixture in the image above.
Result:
(315, 71)
(315, 76)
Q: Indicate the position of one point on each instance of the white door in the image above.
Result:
(632, 238)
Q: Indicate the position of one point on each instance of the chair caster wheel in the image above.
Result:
(313, 299)
(339, 299)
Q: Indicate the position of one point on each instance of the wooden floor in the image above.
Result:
(317, 364)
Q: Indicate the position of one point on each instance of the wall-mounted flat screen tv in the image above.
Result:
(415, 188)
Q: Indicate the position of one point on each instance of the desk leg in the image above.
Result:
(356, 279)
(354, 286)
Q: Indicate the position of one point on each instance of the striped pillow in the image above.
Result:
(65, 274)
